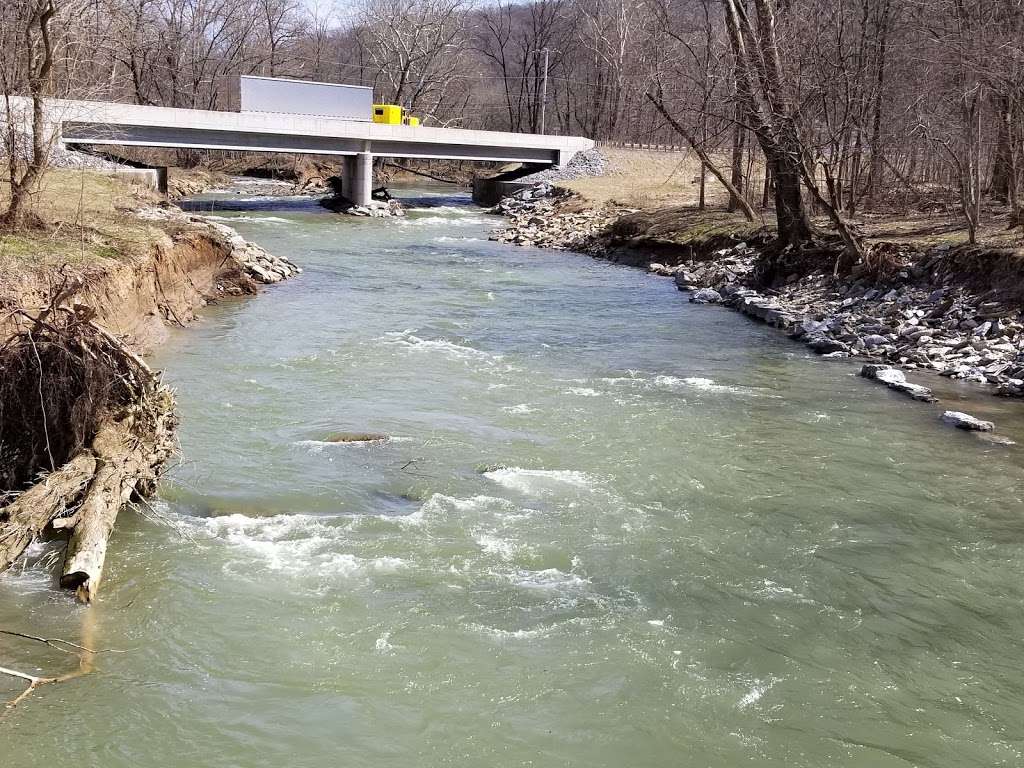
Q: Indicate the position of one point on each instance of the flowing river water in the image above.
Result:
(609, 528)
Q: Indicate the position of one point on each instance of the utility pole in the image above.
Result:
(544, 92)
(543, 88)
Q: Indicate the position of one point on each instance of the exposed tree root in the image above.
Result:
(107, 427)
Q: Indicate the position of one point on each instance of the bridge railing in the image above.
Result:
(644, 146)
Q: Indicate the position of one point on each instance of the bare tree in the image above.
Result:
(769, 111)
(416, 47)
(29, 68)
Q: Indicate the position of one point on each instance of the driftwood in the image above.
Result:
(123, 453)
(86, 656)
(24, 520)
(127, 462)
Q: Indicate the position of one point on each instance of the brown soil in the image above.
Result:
(139, 298)
(138, 275)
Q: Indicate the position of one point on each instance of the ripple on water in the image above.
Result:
(540, 481)
(296, 545)
(444, 347)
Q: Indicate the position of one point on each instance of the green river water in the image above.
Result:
(610, 529)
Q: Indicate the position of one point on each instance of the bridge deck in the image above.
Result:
(91, 122)
(95, 122)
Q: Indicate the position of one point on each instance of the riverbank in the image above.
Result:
(594, 491)
(87, 421)
(942, 308)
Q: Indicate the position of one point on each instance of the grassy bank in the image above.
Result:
(89, 222)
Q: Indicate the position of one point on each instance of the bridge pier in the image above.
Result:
(357, 178)
(348, 176)
(362, 190)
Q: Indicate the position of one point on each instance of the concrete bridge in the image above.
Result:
(95, 123)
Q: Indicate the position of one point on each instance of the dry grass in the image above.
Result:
(652, 181)
(924, 230)
(639, 178)
(88, 220)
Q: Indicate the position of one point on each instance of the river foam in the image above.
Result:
(297, 545)
(436, 221)
(409, 340)
(247, 219)
(533, 481)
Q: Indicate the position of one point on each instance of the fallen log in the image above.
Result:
(88, 401)
(130, 454)
(24, 519)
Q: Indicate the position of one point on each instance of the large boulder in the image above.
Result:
(896, 380)
(705, 296)
(962, 420)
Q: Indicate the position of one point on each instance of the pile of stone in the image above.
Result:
(374, 209)
(261, 266)
(377, 209)
(727, 266)
(67, 158)
(535, 219)
(589, 162)
(909, 322)
(59, 155)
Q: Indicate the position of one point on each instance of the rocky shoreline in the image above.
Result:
(257, 263)
(922, 317)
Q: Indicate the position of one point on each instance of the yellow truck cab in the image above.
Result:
(393, 114)
(388, 114)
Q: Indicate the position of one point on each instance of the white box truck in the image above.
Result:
(304, 97)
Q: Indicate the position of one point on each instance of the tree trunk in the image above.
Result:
(877, 155)
(126, 462)
(27, 516)
(793, 227)
(738, 141)
(769, 111)
(40, 66)
(999, 186)
(87, 549)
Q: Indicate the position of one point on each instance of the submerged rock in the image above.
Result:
(895, 379)
(962, 420)
(989, 437)
(356, 437)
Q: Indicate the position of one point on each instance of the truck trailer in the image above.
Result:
(305, 97)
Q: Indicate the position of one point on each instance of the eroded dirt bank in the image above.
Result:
(137, 298)
(85, 424)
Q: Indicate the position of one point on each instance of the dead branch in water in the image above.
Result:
(57, 643)
(128, 463)
(22, 521)
(86, 657)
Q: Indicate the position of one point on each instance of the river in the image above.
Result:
(609, 528)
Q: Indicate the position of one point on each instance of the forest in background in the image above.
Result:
(839, 105)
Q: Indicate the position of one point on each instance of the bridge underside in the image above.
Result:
(358, 153)
(197, 138)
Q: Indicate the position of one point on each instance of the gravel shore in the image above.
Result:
(921, 317)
